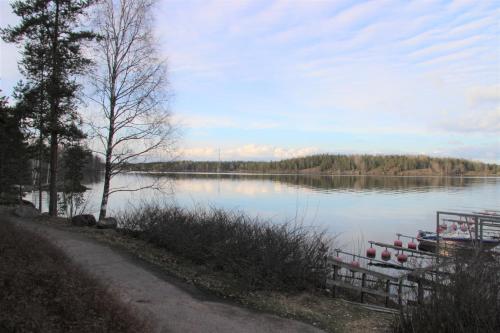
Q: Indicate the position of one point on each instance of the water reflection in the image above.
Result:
(354, 207)
(329, 184)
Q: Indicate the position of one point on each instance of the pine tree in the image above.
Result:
(14, 159)
(52, 57)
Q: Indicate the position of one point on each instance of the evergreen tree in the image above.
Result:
(52, 56)
(14, 159)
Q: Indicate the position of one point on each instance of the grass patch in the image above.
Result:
(42, 291)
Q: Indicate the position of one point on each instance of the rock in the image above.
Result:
(84, 220)
(26, 211)
(28, 203)
(107, 223)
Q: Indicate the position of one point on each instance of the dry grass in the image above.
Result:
(42, 291)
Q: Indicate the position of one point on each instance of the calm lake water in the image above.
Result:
(356, 208)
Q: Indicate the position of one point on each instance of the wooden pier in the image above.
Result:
(399, 283)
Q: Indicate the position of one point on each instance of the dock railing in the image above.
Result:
(480, 226)
(412, 283)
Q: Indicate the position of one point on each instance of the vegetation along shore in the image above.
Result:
(330, 164)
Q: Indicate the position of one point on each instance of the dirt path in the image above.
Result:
(171, 305)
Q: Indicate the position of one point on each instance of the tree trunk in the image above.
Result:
(54, 106)
(40, 169)
(53, 175)
(107, 167)
(105, 191)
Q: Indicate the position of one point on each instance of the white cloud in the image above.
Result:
(484, 94)
(481, 121)
(246, 152)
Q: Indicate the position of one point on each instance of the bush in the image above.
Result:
(260, 255)
(467, 301)
(42, 291)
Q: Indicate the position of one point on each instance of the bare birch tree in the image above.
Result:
(130, 89)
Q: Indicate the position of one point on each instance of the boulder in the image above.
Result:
(26, 211)
(107, 223)
(84, 220)
(28, 203)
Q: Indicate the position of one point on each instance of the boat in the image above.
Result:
(427, 240)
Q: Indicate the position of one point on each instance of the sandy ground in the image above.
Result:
(171, 305)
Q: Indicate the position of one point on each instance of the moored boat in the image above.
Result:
(427, 240)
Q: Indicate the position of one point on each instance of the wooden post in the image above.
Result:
(335, 274)
(400, 291)
(363, 284)
(438, 251)
(420, 291)
(387, 290)
(481, 234)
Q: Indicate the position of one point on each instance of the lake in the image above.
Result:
(355, 208)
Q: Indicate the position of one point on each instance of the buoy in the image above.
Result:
(444, 226)
(355, 263)
(386, 255)
(338, 258)
(412, 245)
(440, 229)
(463, 227)
(371, 252)
(402, 258)
(453, 227)
(398, 243)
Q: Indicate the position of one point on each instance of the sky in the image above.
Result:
(266, 80)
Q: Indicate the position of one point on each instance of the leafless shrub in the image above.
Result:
(467, 300)
(260, 255)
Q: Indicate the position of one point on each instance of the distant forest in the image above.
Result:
(401, 165)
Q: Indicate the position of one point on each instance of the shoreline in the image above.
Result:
(303, 174)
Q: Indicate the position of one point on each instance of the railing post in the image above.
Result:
(335, 274)
(437, 237)
(400, 291)
(481, 234)
(420, 292)
(387, 290)
(363, 284)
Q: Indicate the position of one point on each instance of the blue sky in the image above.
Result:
(274, 79)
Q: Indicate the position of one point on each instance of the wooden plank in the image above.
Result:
(356, 288)
(431, 254)
(342, 264)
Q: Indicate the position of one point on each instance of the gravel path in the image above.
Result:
(171, 305)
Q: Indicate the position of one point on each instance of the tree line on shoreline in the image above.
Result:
(401, 165)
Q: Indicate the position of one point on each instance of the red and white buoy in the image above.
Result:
(412, 245)
(463, 227)
(402, 258)
(385, 255)
(355, 263)
(453, 227)
(371, 252)
(398, 243)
